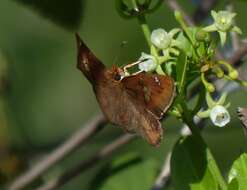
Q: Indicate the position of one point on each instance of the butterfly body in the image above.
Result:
(135, 103)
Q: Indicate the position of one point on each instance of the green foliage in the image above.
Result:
(190, 166)
(181, 71)
(238, 174)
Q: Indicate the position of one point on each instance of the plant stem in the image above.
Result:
(143, 22)
(145, 28)
(199, 101)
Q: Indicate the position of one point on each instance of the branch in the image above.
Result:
(76, 140)
(164, 176)
(89, 163)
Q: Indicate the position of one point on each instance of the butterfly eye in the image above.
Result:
(117, 77)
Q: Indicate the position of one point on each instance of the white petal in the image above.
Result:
(160, 38)
(222, 37)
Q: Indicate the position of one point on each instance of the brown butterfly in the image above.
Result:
(135, 102)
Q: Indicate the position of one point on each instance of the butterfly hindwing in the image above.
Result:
(154, 91)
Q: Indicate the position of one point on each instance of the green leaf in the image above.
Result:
(191, 166)
(185, 44)
(238, 173)
(181, 71)
(126, 172)
(122, 9)
(65, 13)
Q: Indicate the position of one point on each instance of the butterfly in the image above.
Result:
(136, 102)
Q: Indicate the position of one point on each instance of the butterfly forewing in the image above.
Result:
(155, 92)
(87, 62)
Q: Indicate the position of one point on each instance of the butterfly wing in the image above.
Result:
(155, 92)
(134, 118)
(149, 95)
(87, 62)
(129, 113)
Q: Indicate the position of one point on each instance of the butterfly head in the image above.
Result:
(115, 74)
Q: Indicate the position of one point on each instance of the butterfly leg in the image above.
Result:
(136, 73)
(130, 65)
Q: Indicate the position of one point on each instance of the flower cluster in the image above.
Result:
(163, 45)
(191, 50)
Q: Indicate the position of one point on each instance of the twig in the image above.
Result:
(76, 139)
(84, 165)
(164, 176)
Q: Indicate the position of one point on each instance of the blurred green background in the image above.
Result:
(46, 98)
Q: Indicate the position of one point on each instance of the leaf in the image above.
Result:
(190, 166)
(126, 172)
(65, 13)
(181, 69)
(238, 173)
(184, 43)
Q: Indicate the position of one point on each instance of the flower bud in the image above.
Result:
(202, 35)
(233, 74)
(219, 72)
(210, 87)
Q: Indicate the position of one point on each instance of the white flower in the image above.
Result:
(149, 63)
(223, 22)
(162, 39)
(219, 116)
